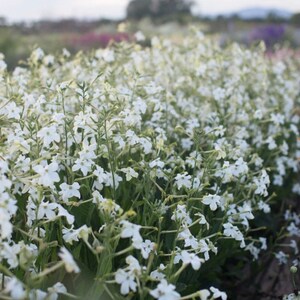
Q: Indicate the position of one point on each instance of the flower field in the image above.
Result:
(138, 173)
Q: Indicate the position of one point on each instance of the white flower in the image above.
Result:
(258, 161)
(133, 265)
(62, 212)
(7, 202)
(219, 94)
(191, 258)
(146, 248)
(278, 119)
(282, 257)
(218, 294)
(53, 210)
(68, 260)
(189, 239)
(219, 131)
(165, 291)
(66, 53)
(146, 144)
(9, 253)
(253, 250)
(36, 294)
(263, 243)
(49, 135)
(132, 138)
(245, 213)
(3, 64)
(84, 165)
(108, 55)
(187, 143)
(204, 248)
(296, 188)
(37, 55)
(12, 111)
(293, 229)
(133, 231)
(262, 184)
(202, 220)
(130, 173)
(118, 139)
(127, 281)
(15, 288)
(240, 167)
(47, 210)
(233, 231)
(139, 36)
(140, 106)
(71, 235)
(157, 274)
(212, 200)
(284, 148)
(101, 177)
(180, 214)
(271, 143)
(5, 224)
(48, 174)
(183, 180)
(156, 163)
(57, 288)
(258, 114)
(265, 207)
(69, 191)
(129, 229)
(292, 296)
(293, 244)
(49, 60)
(113, 179)
(88, 150)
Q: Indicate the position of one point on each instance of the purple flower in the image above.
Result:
(270, 34)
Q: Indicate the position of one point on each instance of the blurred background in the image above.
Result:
(84, 24)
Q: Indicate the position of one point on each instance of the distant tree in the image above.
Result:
(138, 9)
(296, 19)
(3, 21)
(275, 18)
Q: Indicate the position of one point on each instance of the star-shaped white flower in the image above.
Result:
(69, 190)
(126, 279)
(147, 247)
(133, 231)
(165, 291)
(48, 174)
(49, 135)
(212, 200)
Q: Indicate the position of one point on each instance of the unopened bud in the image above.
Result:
(293, 269)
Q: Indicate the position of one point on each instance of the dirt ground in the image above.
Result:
(273, 282)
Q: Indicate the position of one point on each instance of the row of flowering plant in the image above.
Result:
(134, 173)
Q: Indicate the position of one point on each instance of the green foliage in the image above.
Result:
(138, 9)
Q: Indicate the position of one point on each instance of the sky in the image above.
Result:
(27, 10)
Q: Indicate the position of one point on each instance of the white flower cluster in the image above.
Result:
(139, 164)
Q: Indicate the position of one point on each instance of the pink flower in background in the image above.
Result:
(98, 40)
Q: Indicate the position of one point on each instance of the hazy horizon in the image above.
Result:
(31, 10)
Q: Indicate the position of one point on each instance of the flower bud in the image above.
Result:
(293, 269)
